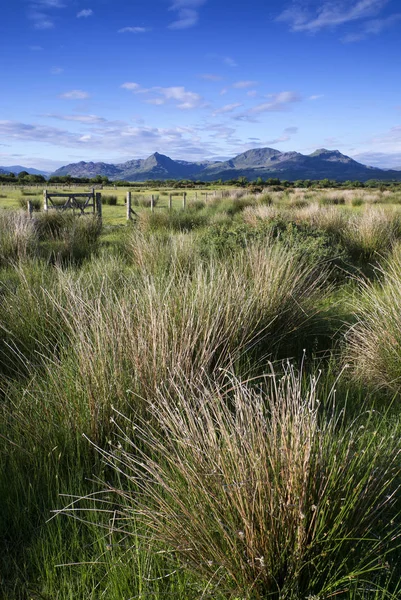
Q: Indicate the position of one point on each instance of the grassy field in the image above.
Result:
(202, 403)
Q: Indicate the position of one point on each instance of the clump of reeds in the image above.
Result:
(174, 220)
(372, 232)
(18, 238)
(326, 218)
(110, 200)
(145, 201)
(256, 492)
(67, 236)
(192, 318)
(254, 215)
(373, 346)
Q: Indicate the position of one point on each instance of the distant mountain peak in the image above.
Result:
(326, 152)
(254, 163)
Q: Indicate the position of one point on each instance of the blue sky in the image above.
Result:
(113, 80)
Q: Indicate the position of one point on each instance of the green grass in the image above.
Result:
(258, 491)
(116, 336)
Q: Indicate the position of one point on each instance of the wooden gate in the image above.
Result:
(84, 203)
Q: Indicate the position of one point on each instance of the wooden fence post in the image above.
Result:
(45, 202)
(129, 215)
(184, 200)
(170, 201)
(30, 208)
(99, 205)
(152, 203)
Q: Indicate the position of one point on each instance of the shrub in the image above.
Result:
(256, 493)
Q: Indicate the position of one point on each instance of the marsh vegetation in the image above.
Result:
(203, 403)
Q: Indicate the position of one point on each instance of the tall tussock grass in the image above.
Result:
(257, 490)
(17, 237)
(373, 232)
(373, 346)
(129, 336)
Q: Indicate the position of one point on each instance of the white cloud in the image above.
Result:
(178, 95)
(279, 102)
(244, 84)
(85, 119)
(75, 95)
(210, 77)
(278, 140)
(86, 12)
(133, 30)
(56, 70)
(372, 27)
(187, 13)
(382, 160)
(227, 108)
(227, 60)
(391, 140)
(329, 14)
(40, 20)
(316, 97)
(38, 13)
(252, 93)
(130, 86)
(31, 132)
(50, 3)
(184, 99)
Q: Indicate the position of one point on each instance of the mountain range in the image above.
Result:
(18, 168)
(260, 162)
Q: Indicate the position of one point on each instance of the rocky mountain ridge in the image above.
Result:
(259, 162)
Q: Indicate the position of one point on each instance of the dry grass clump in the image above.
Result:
(374, 343)
(253, 215)
(135, 335)
(18, 238)
(159, 252)
(255, 493)
(373, 232)
(145, 201)
(326, 218)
